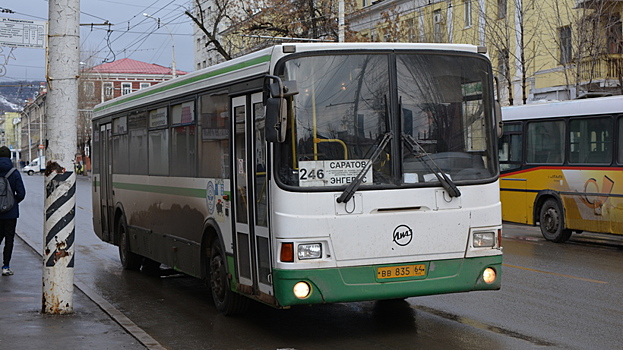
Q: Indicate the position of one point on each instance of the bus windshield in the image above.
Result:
(347, 106)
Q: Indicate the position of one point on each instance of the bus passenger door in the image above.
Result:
(106, 198)
(250, 197)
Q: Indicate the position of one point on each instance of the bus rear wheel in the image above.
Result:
(226, 301)
(552, 222)
(129, 260)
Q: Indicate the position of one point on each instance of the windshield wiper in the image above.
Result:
(353, 186)
(418, 151)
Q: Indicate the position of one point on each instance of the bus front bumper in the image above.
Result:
(365, 283)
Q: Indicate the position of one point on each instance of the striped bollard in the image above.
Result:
(59, 229)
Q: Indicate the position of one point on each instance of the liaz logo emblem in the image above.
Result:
(403, 235)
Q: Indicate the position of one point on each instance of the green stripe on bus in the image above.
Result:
(348, 284)
(183, 81)
(177, 191)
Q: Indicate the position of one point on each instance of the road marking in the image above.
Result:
(555, 274)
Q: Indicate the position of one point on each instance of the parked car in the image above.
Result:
(37, 165)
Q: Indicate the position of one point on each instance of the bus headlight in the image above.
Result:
(489, 275)
(309, 251)
(301, 290)
(483, 239)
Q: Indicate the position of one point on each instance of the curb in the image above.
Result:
(134, 330)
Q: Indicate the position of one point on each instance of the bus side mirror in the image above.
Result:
(499, 125)
(276, 119)
(277, 107)
(498, 119)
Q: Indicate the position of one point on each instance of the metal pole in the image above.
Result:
(60, 179)
(39, 149)
(29, 139)
(341, 21)
(173, 70)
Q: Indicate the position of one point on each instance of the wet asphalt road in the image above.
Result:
(554, 296)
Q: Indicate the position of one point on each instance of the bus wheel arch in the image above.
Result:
(210, 234)
(551, 216)
(218, 277)
(129, 260)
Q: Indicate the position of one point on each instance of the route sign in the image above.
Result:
(22, 33)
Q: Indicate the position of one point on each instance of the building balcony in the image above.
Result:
(592, 3)
(606, 67)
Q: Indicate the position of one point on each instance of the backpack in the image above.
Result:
(7, 197)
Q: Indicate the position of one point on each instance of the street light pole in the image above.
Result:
(173, 70)
(60, 179)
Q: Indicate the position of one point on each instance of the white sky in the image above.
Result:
(133, 35)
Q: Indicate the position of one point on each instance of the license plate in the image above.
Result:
(401, 271)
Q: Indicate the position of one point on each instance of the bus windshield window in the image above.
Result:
(347, 104)
(340, 115)
(444, 111)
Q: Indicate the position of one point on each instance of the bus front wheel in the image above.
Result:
(129, 260)
(552, 222)
(226, 301)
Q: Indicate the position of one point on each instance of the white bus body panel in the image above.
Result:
(440, 229)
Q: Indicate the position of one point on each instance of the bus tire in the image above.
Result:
(226, 301)
(129, 260)
(552, 222)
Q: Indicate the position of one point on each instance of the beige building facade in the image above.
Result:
(540, 49)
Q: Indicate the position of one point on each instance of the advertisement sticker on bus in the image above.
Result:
(332, 172)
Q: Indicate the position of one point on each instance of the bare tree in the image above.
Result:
(206, 18)
(583, 37)
(236, 27)
(510, 31)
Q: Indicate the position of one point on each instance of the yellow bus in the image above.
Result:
(561, 166)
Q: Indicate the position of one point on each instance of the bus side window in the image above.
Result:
(545, 142)
(620, 138)
(590, 140)
(120, 156)
(137, 144)
(510, 147)
(158, 150)
(183, 140)
(214, 126)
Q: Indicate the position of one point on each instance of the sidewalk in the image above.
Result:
(23, 326)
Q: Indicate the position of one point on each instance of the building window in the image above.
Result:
(410, 23)
(108, 90)
(467, 7)
(88, 89)
(145, 85)
(126, 88)
(437, 26)
(565, 44)
(615, 34)
(501, 9)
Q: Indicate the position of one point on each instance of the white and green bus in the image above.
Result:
(309, 173)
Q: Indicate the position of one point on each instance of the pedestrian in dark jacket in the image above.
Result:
(8, 220)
